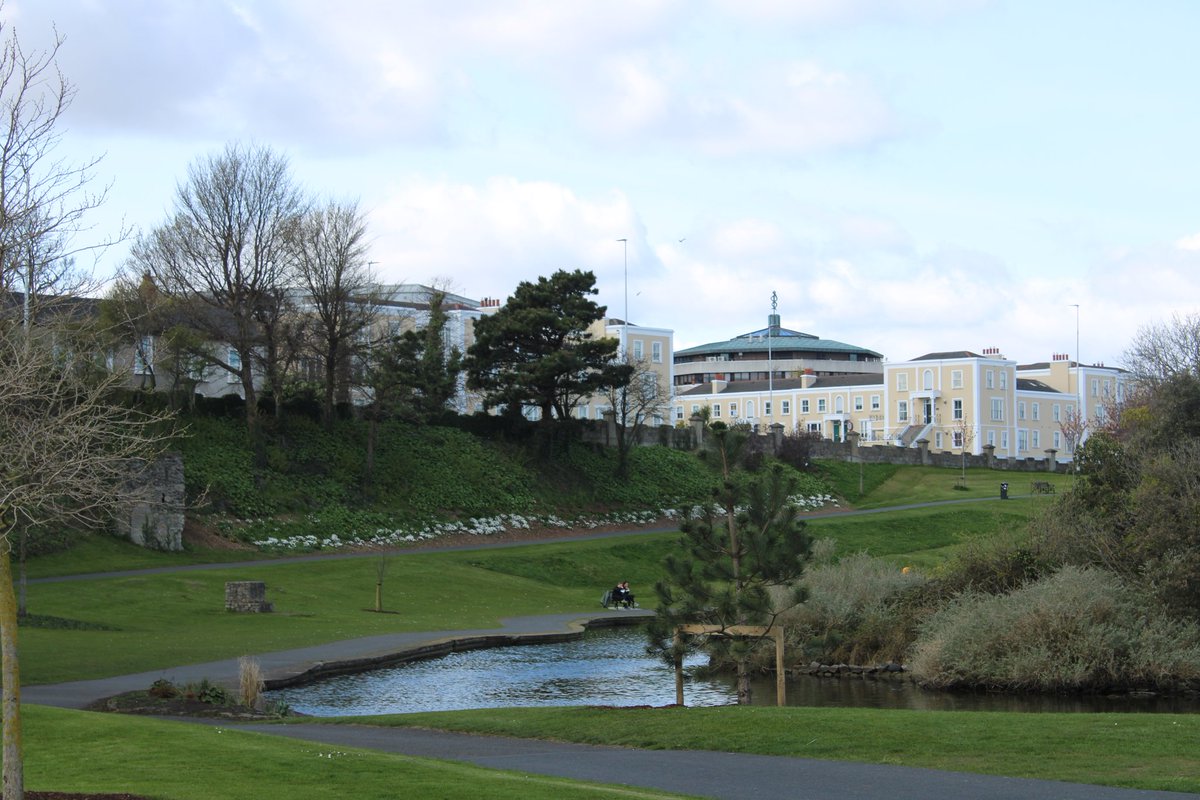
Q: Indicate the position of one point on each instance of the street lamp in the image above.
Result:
(625, 259)
(770, 371)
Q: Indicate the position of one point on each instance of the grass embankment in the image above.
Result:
(163, 620)
(74, 751)
(156, 621)
(887, 485)
(1144, 751)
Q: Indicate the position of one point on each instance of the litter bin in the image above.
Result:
(1004, 491)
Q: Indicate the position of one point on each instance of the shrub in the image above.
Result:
(1080, 629)
(854, 612)
(250, 682)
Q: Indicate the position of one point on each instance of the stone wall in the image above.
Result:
(151, 510)
(691, 437)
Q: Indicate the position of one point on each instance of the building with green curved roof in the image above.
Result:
(772, 353)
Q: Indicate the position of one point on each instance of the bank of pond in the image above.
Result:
(610, 667)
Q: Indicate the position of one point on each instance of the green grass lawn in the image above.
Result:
(165, 620)
(76, 751)
(159, 621)
(927, 484)
(923, 537)
(1144, 751)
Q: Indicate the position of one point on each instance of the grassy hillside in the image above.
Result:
(420, 472)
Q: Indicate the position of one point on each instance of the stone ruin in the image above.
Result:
(247, 597)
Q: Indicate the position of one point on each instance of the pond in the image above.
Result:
(610, 667)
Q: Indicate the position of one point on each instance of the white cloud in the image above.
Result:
(487, 238)
(823, 13)
(792, 108)
(1189, 242)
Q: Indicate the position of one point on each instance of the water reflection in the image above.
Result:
(610, 667)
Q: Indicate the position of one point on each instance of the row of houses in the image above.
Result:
(951, 401)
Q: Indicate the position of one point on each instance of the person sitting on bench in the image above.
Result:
(622, 595)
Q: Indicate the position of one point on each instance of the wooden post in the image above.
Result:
(748, 631)
(678, 656)
(780, 683)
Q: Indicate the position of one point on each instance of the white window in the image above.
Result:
(1004, 441)
(803, 407)
(1037, 411)
(1057, 412)
(858, 403)
(599, 413)
(814, 427)
(785, 406)
(1035, 439)
(991, 438)
(649, 385)
(581, 412)
(902, 382)
(143, 356)
(766, 408)
(750, 408)
(937, 440)
(235, 362)
(927, 380)
(874, 402)
(1095, 388)
(839, 405)
(998, 410)
(716, 410)
(1057, 440)
(679, 412)
(958, 409)
(639, 350)
(1021, 410)
(656, 352)
(989, 379)
(902, 411)
(733, 410)
(1022, 440)
(820, 404)
(695, 408)
(958, 439)
(1003, 379)
(956, 379)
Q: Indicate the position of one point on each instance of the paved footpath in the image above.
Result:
(702, 774)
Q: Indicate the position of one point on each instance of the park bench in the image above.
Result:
(1041, 487)
(607, 600)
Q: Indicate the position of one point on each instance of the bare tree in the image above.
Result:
(225, 251)
(44, 200)
(963, 436)
(635, 405)
(67, 451)
(1073, 426)
(1161, 351)
(61, 441)
(340, 290)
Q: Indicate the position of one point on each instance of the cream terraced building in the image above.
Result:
(951, 400)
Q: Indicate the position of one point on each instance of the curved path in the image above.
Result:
(702, 774)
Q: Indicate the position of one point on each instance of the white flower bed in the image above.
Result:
(489, 526)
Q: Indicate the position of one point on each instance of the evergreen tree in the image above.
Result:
(738, 560)
(537, 351)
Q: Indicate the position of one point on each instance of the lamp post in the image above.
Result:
(625, 320)
(770, 371)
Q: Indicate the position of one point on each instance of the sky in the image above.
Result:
(909, 176)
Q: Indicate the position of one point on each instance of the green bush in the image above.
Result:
(854, 612)
(1082, 629)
